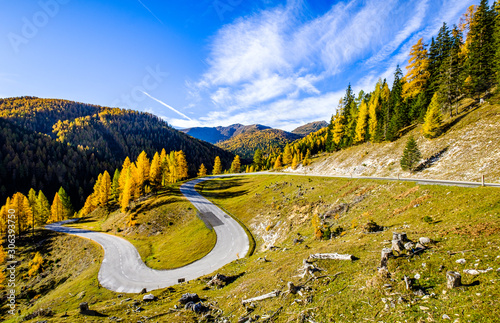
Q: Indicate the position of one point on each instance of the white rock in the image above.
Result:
(461, 261)
(446, 317)
(424, 240)
(417, 276)
(148, 297)
(471, 271)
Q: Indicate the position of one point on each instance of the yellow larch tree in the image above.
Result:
(217, 166)
(362, 123)
(295, 161)
(277, 163)
(155, 172)
(236, 164)
(142, 174)
(127, 192)
(202, 172)
(123, 176)
(338, 128)
(287, 155)
(433, 119)
(418, 74)
(56, 210)
(182, 166)
(105, 189)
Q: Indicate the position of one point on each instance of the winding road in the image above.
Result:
(123, 270)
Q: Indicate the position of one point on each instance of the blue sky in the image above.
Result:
(212, 62)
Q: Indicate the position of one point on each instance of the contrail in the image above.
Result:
(150, 11)
(164, 104)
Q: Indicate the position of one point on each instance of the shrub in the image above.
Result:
(427, 219)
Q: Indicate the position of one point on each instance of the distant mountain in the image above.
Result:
(266, 140)
(217, 134)
(310, 127)
(48, 143)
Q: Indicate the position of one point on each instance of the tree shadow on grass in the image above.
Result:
(219, 189)
(447, 126)
(93, 313)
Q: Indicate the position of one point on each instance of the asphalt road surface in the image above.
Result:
(123, 270)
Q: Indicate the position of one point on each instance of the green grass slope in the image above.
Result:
(278, 210)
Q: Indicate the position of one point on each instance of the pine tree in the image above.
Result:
(236, 164)
(115, 187)
(433, 119)
(418, 108)
(362, 123)
(395, 114)
(155, 173)
(257, 158)
(277, 163)
(66, 202)
(496, 66)
(182, 166)
(438, 53)
(202, 172)
(56, 210)
(217, 166)
(450, 80)
(418, 71)
(43, 208)
(411, 155)
(481, 48)
(349, 113)
(496, 8)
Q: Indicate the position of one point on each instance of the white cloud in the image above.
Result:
(278, 66)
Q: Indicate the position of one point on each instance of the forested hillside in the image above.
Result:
(267, 141)
(217, 134)
(310, 127)
(34, 160)
(47, 144)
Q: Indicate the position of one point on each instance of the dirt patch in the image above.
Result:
(405, 194)
(411, 204)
